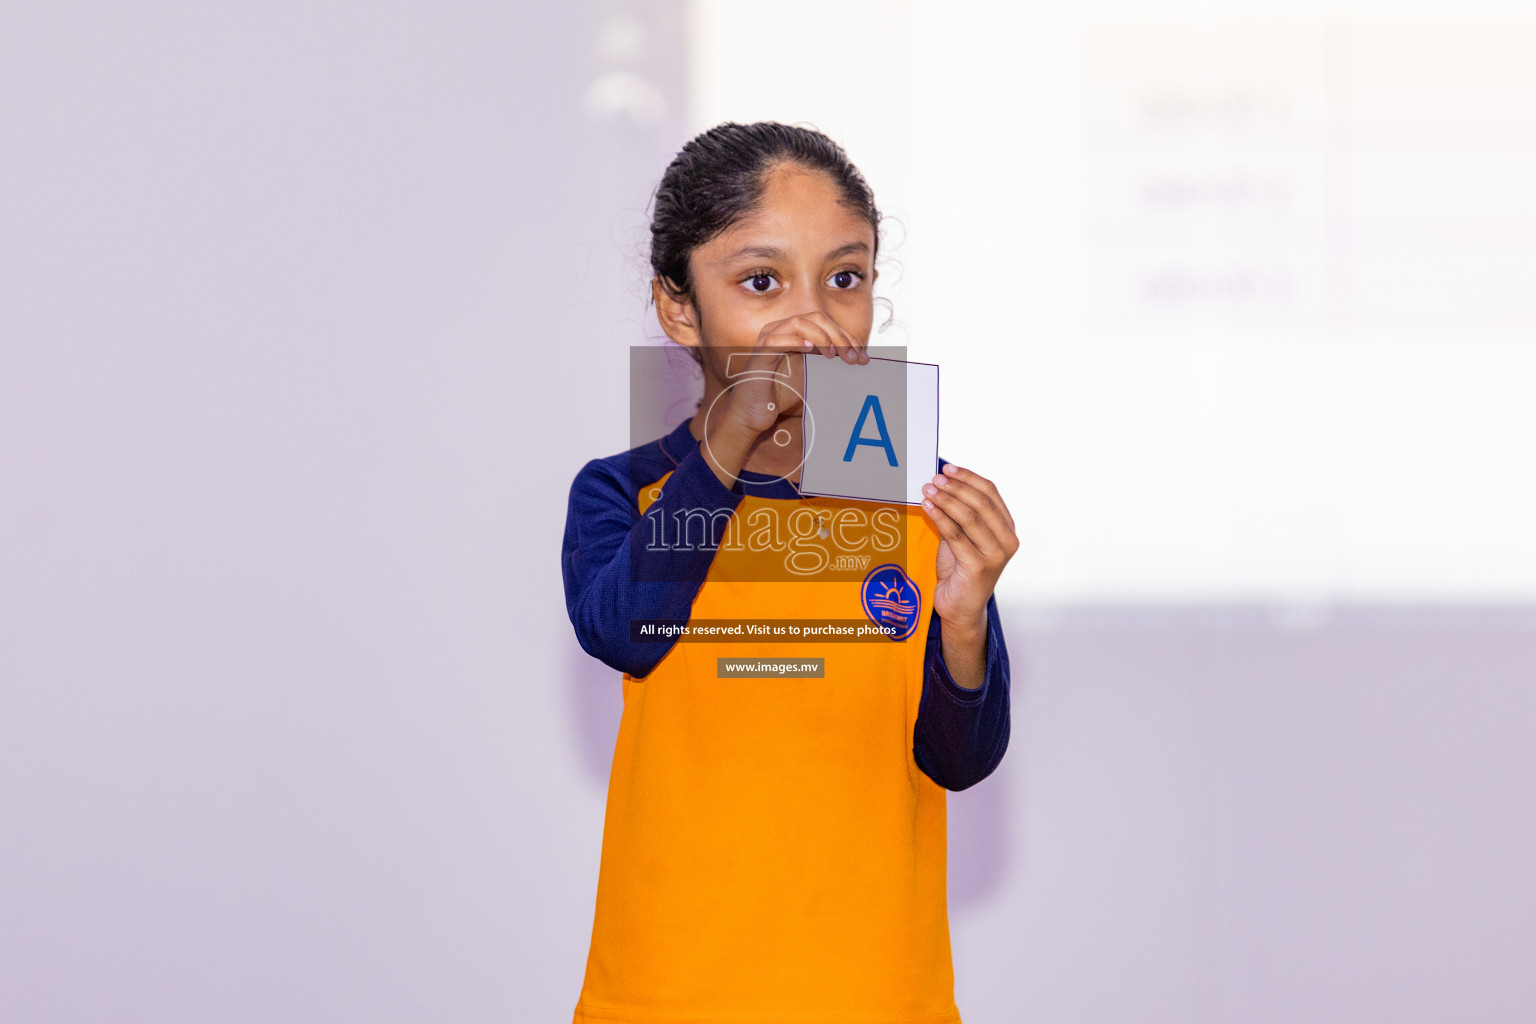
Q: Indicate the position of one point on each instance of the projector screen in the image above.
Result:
(1234, 311)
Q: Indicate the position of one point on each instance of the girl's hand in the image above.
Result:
(757, 402)
(977, 539)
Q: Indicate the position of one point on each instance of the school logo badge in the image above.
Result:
(891, 600)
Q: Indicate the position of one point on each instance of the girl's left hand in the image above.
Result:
(977, 539)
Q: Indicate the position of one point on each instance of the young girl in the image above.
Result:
(774, 846)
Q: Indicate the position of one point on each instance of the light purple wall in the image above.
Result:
(308, 314)
(1224, 815)
(295, 300)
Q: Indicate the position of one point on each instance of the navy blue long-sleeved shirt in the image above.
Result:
(611, 577)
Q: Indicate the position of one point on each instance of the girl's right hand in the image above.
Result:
(757, 401)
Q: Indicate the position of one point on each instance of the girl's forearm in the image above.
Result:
(965, 652)
(729, 446)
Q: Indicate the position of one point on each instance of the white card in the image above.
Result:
(871, 431)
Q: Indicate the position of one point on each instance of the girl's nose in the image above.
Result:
(816, 299)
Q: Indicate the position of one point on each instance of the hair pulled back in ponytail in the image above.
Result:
(719, 177)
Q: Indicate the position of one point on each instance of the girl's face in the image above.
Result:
(801, 251)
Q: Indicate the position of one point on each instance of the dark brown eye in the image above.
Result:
(761, 283)
(844, 279)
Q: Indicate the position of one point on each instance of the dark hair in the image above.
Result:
(719, 177)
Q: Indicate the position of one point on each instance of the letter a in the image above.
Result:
(884, 441)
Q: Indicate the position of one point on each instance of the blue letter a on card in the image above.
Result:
(871, 404)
